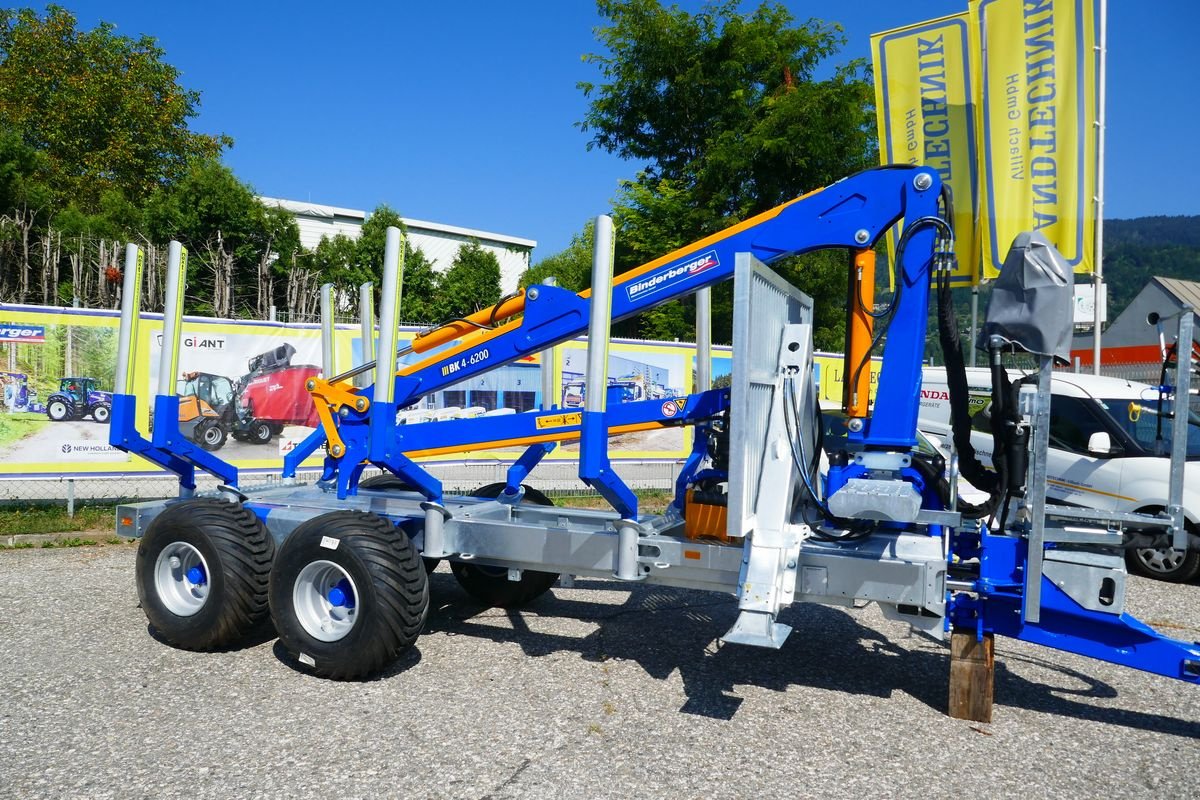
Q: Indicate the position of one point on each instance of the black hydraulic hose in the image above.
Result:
(1162, 381)
(956, 379)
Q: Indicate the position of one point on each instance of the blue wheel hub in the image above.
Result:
(196, 575)
(342, 595)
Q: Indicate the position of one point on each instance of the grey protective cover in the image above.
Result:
(1032, 302)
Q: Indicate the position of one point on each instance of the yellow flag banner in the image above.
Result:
(1036, 112)
(925, 110)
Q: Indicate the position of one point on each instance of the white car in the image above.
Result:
(1109, 449)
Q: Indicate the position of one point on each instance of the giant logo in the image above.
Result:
(669, 276)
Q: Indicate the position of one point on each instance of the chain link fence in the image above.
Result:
(561, 478)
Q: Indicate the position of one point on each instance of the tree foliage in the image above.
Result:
(726, 110)
(472, 282)
(105, 111)
(572, 267)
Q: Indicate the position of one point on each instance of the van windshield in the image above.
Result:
(1140, 419)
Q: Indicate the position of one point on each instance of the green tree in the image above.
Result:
(726, 110)
(420, 281)
(418, 301)
(572, 267)
(471, 283)
(231, 237)
(105, 110)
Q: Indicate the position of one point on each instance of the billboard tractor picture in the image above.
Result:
(242, 394)
(57, 383)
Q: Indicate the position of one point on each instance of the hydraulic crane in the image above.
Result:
(338, 566)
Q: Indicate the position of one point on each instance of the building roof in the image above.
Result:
(1187, 293)
(319, 211)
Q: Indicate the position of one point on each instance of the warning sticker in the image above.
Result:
(559, 420)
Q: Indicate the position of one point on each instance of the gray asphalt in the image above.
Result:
(588, 693)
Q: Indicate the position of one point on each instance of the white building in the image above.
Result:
(438, 242)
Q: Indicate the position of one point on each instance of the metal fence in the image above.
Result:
(558, 477)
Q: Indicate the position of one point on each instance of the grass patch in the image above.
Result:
(70, 541)
(53, 519)
(650, 501)
(15, 427)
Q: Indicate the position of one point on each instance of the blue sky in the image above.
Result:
(462, 111)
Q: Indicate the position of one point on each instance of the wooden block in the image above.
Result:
(972, 676)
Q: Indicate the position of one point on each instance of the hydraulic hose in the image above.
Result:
(970, 467)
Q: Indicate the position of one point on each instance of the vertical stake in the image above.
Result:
(327, 326)
(366, 321)
(549, 388)
(703, 340)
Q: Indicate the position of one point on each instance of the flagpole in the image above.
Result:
(1098, 271)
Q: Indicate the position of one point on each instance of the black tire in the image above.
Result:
(210, 435)
(58, 410)
(1164, 563)
(391, 598)
(237, 549)
(387, 482)
(259, 432)
(490, 585)
(276, 428)
(102, 413)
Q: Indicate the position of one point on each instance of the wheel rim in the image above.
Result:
(1163, 559)
(181, 578)
(326, 601)
(101, 413)
(58, 409)
(212, 434)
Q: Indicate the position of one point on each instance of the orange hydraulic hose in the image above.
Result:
(856, 392)
(484, 317)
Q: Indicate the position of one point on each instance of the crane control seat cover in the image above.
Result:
(1032, 301)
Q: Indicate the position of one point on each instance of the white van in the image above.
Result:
(1107, 451)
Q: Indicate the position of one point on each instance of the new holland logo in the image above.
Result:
(668, 276)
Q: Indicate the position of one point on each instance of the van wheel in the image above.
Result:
(1164, 563)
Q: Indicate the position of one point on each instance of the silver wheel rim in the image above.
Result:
(58, 409)
(212, 434)
(1163, 559)
(326, 601)
(181, 578)
(101, 413)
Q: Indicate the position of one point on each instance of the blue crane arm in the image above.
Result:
(852, 213)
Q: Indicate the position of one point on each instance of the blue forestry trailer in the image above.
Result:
(339, 567)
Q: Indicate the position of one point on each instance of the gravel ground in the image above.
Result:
(597, 691)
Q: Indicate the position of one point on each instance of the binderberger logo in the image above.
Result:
(666, 277)
(12, 332)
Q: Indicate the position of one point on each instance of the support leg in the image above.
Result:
(972, 675)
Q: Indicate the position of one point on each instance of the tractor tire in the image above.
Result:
(102, 413)
(210, 435)
(58, 410)
(259, 432)
(202, 574)
(385, 483)
(1164, 563)
(348, 594)
(490, 585)
(391, 483)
